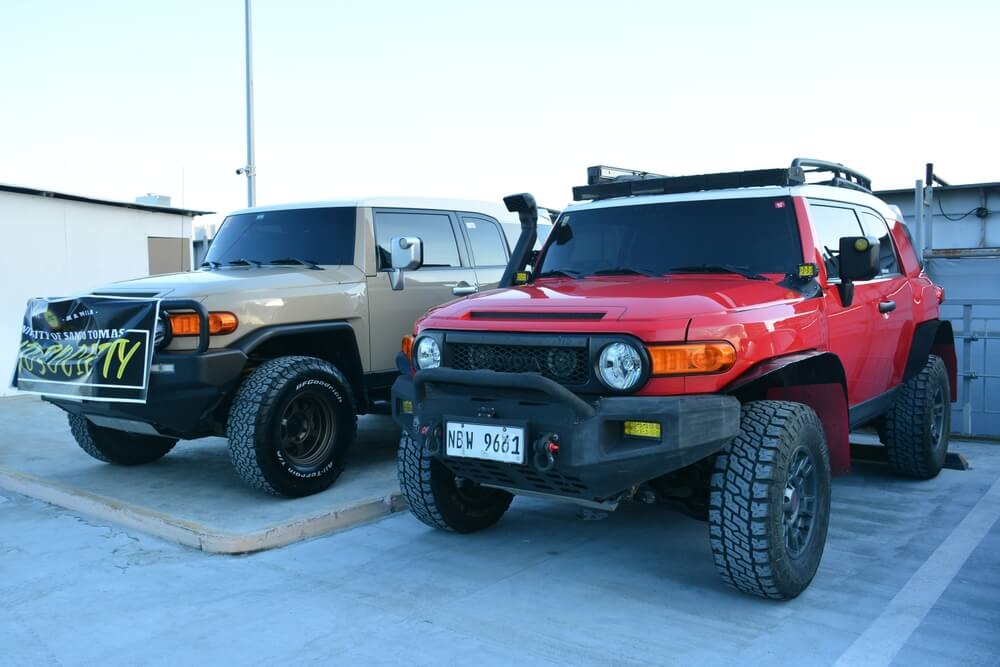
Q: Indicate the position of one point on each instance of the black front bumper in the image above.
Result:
(184, 391)
(595, 460)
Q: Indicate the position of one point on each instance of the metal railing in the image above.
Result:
(977, 344)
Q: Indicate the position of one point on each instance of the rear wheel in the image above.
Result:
(113, 446)
(769, 507)
(440, 499)
(915, 431)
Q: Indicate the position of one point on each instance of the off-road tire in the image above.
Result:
(907, 431)
(433, 496)
(254, 427)
(746, 506)
(119, 447)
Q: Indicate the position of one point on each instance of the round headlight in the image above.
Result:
(428, 353)
(161, 333)
(620, 366)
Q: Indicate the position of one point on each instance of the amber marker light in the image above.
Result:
(189, 324)
(692, 358)
(408, 348)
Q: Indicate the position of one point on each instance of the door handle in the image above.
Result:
(464, 289)
(886, 306)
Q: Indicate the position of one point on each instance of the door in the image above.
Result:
(893, 312)
(488, 248)
(850, 327)
(446, 269)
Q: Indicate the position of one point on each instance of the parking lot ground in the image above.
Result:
(910, 576)
(192, 496)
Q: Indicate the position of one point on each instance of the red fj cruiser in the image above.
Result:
(706, 338)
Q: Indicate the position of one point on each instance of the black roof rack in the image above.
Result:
(842, 177)
(607, 182)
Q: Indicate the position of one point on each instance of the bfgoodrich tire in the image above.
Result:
(769, 507)
(291, 425)
(112, 446)
(441, 500)
(915, 431)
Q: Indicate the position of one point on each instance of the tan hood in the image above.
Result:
(248, 282)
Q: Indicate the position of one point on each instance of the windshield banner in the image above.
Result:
(92, 347)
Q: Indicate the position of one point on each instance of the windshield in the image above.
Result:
(287, 237)
(745, 236)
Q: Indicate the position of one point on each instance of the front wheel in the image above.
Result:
(440, 499)
(769, 507)
(291, 425)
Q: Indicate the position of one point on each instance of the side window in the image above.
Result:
(875, 226)
(486, 239)
(830, 223)
(440, 247)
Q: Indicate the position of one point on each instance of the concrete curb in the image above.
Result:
(192, 534)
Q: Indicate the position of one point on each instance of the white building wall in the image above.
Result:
(57, 247)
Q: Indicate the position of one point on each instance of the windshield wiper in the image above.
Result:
(210, 264)
(567, 273)
(717, 268)
(296, 260)
(242, 261)
(625, 271)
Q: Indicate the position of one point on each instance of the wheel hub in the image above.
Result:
(937, 416)
(799, 502)
(307, 430)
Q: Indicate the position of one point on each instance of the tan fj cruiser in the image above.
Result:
(288, 331)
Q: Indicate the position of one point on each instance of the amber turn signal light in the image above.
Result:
(189, 324)
(408, 347)
(692, 358)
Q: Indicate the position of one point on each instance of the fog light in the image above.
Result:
(406, 407)
(643, 429)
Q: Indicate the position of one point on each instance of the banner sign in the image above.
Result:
(92, 347)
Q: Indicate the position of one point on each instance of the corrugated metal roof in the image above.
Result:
(17, 189)
(945, 188)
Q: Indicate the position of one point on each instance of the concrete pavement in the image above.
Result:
(917, 563)
(192, 496)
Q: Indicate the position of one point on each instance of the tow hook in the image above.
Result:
(432, 438)
(545, 450)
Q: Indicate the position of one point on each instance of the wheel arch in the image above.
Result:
(938, 338)
(811, 377)
(333, 341)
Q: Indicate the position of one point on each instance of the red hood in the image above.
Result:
(661, 306)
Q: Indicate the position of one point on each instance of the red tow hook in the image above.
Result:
(545, 450)
(432, 438)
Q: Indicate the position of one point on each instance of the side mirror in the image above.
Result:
(858, 260)
(406, 254)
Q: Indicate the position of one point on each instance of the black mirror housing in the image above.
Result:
(858, 258)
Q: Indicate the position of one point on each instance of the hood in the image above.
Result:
(199, 284)
(618, 298)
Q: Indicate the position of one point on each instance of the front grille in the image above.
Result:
(566, 365)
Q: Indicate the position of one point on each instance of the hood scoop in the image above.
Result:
(534, 315)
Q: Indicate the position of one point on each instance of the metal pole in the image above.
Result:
(250, 169)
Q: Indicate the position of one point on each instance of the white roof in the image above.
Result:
(494, 209)
(814, 191)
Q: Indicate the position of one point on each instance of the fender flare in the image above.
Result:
(798, 368)
(354, 370)
(933, 337)
(811, 377)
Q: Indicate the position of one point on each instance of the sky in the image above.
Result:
(117, 98)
